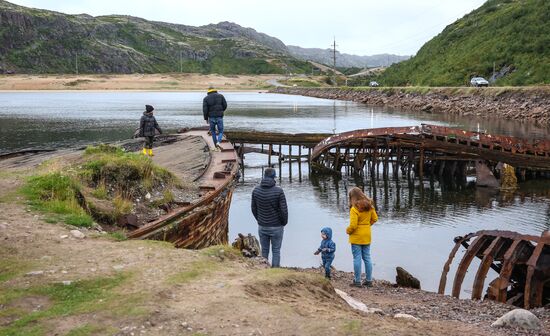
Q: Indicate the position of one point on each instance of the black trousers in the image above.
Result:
(149, 142)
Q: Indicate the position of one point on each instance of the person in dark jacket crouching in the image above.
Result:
(270, 210)
(147, 126)
(213, 106)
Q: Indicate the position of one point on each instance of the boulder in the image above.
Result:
(406, 317)
(518, 318)
(485, 177)
(405, 279)
(248, 245)
(77, 234)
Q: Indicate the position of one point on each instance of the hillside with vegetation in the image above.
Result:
(511, 35)
(41, 41)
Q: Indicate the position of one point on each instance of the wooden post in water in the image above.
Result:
(242, 159)
(309, 159)
(280, 163)
(397, 162)
(373, 160)
(300, 163)
(290, 162)
(421, 164)
(270, 150)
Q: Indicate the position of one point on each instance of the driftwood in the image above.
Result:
(248, 245)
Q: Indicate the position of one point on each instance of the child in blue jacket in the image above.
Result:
(327, 249)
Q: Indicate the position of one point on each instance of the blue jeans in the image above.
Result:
(273, 235)
(327, 262)
(216, 121)
(361, 252)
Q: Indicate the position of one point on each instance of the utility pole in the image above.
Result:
(334, 59)
(76, 62)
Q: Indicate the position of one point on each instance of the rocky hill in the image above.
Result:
(511, 35)
(41, 41)
(325, 56)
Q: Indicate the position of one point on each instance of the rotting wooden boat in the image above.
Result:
(204, 221)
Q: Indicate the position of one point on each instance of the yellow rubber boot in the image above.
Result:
(151, 152)
(144, 151)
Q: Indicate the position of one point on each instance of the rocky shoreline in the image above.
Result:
(521, 104)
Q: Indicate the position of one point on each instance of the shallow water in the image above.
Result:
(417, 224)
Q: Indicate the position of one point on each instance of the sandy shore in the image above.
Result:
(145, 82)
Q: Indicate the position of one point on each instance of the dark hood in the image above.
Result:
(267, 182)
(328, 232)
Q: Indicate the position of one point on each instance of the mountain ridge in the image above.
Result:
(344, 60)
(43, 41)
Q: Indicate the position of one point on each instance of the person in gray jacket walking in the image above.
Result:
(270, 210)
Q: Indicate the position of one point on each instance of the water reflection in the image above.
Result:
(54, 119)
(418, 221)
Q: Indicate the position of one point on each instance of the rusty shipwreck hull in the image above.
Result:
(417, 145)
(521, 261)
(204, 222)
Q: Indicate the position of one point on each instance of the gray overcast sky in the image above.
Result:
(360, 27)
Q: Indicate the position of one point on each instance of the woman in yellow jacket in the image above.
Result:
(362, 216)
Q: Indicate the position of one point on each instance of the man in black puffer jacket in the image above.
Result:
(213, 106)
(147, 126)
(270, 210)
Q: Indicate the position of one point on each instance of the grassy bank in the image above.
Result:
(102, 185)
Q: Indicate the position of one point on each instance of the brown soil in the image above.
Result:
(163, 82)
(167, 291)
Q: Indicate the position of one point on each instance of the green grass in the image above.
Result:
(128, 172)
(353, 327)
(91, 329)
(302, 82)
(56, 193)
(59, 192)
(11, 267)
(118, 236)
(197, 269)
(88, 296)
(101, 192)
(503, 33)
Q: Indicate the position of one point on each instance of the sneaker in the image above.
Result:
(367, 283)
(215, 149)
(218, 146)
(356, 284)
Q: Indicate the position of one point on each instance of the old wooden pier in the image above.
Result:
(415, 151)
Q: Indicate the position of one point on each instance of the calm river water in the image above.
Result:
(417, 223)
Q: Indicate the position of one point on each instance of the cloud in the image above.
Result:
(360, 27)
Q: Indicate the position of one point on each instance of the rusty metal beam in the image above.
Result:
(487, 261)
(447, 266)
(470, 254)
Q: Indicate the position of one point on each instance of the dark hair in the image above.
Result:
(270, 172)
(149, 108)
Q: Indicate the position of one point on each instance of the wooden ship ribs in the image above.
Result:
(203, 222)
(428, 149)
(521, 261)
